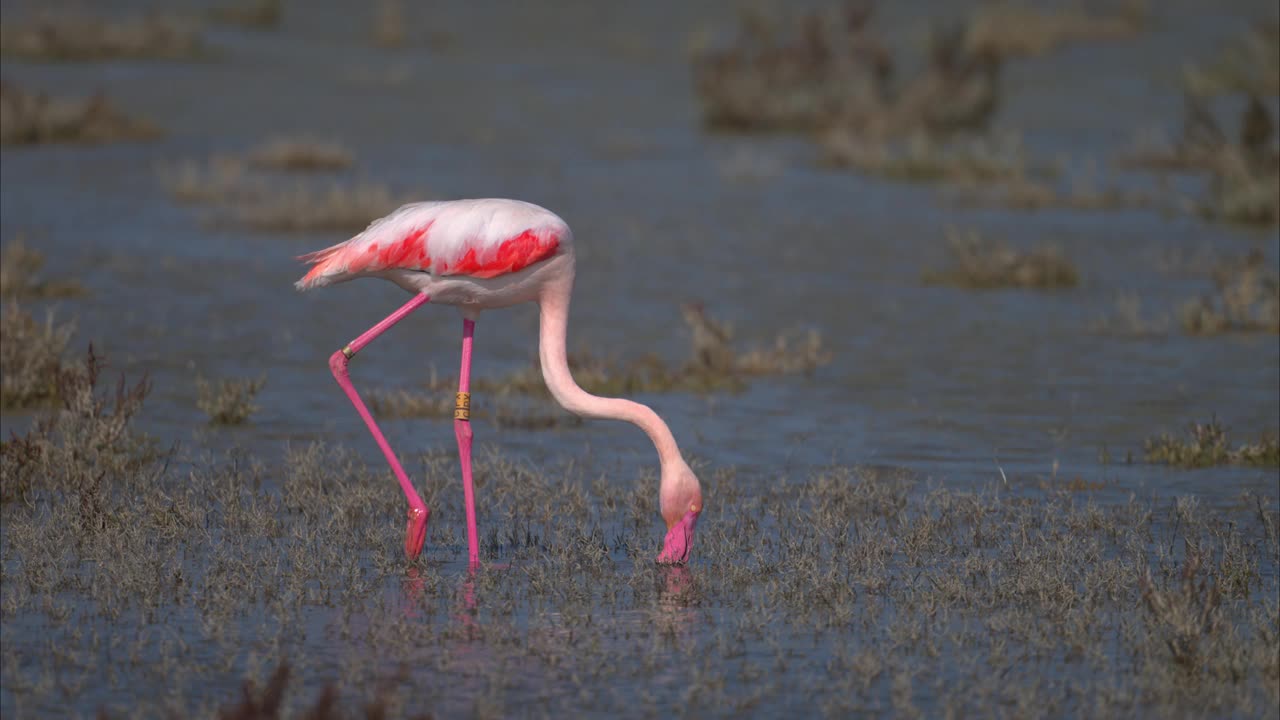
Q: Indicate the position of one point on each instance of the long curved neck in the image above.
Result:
(552, 331)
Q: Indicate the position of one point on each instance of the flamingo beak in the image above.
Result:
(679, 540)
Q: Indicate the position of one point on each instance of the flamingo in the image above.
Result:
(480, 255)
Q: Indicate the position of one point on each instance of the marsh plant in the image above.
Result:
(256, 201)
(33, 118)
(228, 401)
(84, 447)
(980, 264)
(78, 36)
(257, 14)
(1206, 445)
(1248, 64)
(521, 400)
(20, 275)
(826, 70)
(302, 153)
(1246, 298)
(833, 592)
(1020, 29)
(31, 366)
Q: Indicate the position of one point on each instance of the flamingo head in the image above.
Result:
(681, 503)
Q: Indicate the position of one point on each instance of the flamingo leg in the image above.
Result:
(462, 429)
(416, 531)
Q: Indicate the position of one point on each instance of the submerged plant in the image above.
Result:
(228, 402)
(1207, 445)
(84, 446)
(73, 36)
(34, 118)
(20, 274)
(1246, 299)
(982, 264)
(302, 153)
(31, 366)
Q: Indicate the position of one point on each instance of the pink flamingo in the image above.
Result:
(479, 255)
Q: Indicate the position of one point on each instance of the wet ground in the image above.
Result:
(589, 111)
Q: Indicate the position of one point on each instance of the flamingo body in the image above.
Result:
(479, 239)
(479, 255)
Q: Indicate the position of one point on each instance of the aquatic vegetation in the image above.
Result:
(301, 154)
(20, 275)
(923, 159)
(389, 24)
(30, 357)
(1207, 445)
(854, 579)
(221, 179)
(228, 401)
(978, 263)
(1016, 29)
(820, 71)
(76, 36)
(1244, 167)
(34, 118)
(85, 447)
(337, 207)
(255, 202)
(1246, 299)
(261, 14)
(714, 365)
(1249, 64)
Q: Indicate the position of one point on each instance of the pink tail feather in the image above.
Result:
(324, 262)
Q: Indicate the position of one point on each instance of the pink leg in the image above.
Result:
(416, 532)
(462, 429)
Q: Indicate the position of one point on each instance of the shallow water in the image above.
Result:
(589, 111)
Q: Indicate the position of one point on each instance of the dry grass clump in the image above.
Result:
(1243, 168)
(261, 14)
(921, 158)
(256, 202)
(221, 179)
(301, 154)
(823, 71)
(833, 591)
(34, 118)
(337, 207)
(85, 447)
(1250, 65)
(1014, 29)
(30, 357)
(389, 24)
(1207, 446)
(983, 264)
(228, 402)
(714, 365)
(20, 275)
(1247, 299)
(75, 36)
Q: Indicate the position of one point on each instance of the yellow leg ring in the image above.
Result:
(462, 406)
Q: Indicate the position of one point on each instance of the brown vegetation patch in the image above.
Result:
(1015, 29)
(1206, 445)
(983, 264)
(34, 118)
(30, 357)
(20, 275)
(258, 14)
(75, 36)
(821, 71)
(228, 401)
(301, 154)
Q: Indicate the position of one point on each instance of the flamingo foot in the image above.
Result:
(415, 533)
